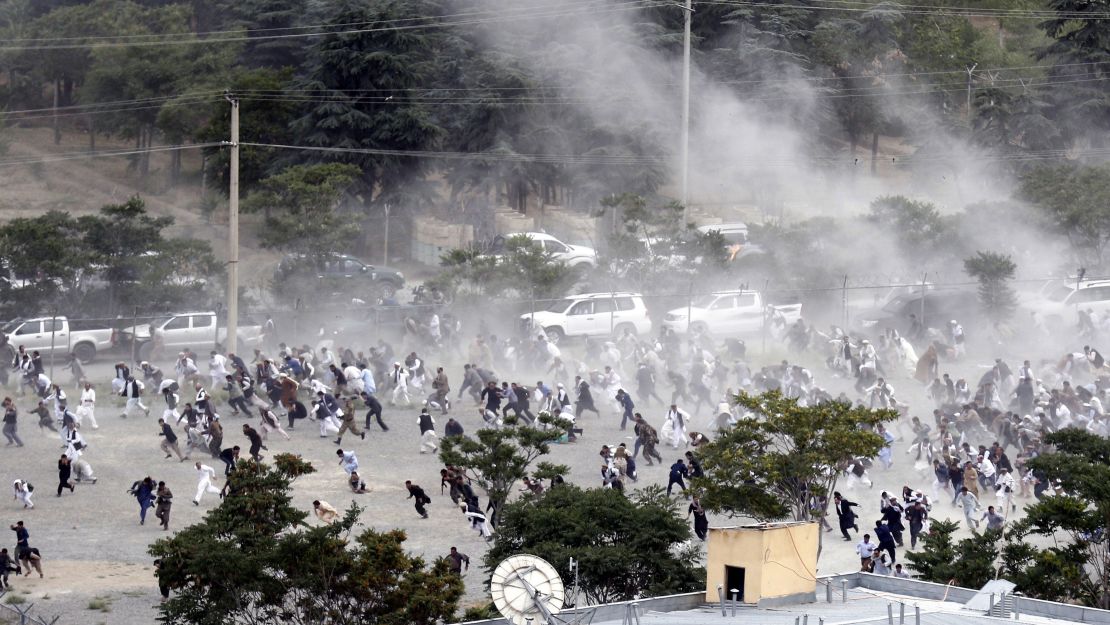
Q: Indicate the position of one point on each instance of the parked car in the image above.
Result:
(194, 329)
(53, 336)
(572, 255)
(728, 313)
(591, 314)
(934, 309)
(345, 274)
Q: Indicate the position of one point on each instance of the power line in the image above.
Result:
(624, 5)
(866, 7)
(252, 31)
(75, 156)
(571, 159)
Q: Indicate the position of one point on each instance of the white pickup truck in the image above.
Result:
(56, 336)
(729, 313)
(196, 330)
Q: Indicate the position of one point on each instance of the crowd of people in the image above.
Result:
(963, 448)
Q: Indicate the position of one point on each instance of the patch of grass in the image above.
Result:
(15, 599)
(104, 604)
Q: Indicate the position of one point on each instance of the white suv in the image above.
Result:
(572, 255)
(592, 314)
(1060, 301)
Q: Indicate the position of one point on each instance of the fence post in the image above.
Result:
(890, 614)
(844, 589)
(844, 300)
(135, 335)
(901, 613)
(735, 594)
(1017, 606)
(721, 595)
(53, 329)
(916, 614)
(991, 608)
(828, 592)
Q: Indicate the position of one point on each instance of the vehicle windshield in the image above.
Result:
(556, 306)
(1060, 293)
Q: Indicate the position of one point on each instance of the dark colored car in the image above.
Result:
(935, 308)
(346, 274)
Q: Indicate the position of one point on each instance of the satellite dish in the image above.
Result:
(527, 588)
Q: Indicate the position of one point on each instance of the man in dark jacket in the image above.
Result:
(415, 492)
(846, 515)
(892, 514)
(886, 539)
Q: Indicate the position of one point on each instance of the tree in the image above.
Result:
(994, 272)
(264, 117)
(625, 547)
(254, 561)
(496, 459)
(1076, 523)
(969, 563)
(520, 268)
(301, 204)
(138, 265)
(919, 226)
(782, 459)
(361, 84)
(1075, 201)
(1080, 53)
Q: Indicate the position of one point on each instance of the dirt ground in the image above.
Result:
(95, 552)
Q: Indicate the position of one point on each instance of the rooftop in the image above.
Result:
(849, 599)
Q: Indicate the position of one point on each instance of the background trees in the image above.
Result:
(625, 547)
(118, 260)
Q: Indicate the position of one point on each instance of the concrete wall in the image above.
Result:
(778, 559)
(432, 237)
(616, 611)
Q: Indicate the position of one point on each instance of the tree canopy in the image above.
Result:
(782, 458)
(625, 547)
(254, 560)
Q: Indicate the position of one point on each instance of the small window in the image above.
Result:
(582, 308)
(556, 247)
(352, 266)
(31, 327)
(625, 303)
(202, 321)
(725, 302)
(177, 323)
(52, 325)
(603, 306)
(747, 300)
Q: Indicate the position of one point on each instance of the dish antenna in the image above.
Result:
(527, 590)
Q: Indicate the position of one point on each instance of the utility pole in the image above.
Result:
(689, 11)
(970, 71)
(385, 240)
(233, 236)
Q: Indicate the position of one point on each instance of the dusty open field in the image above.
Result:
(93, 546)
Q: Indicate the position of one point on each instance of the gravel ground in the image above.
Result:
(96, 565)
